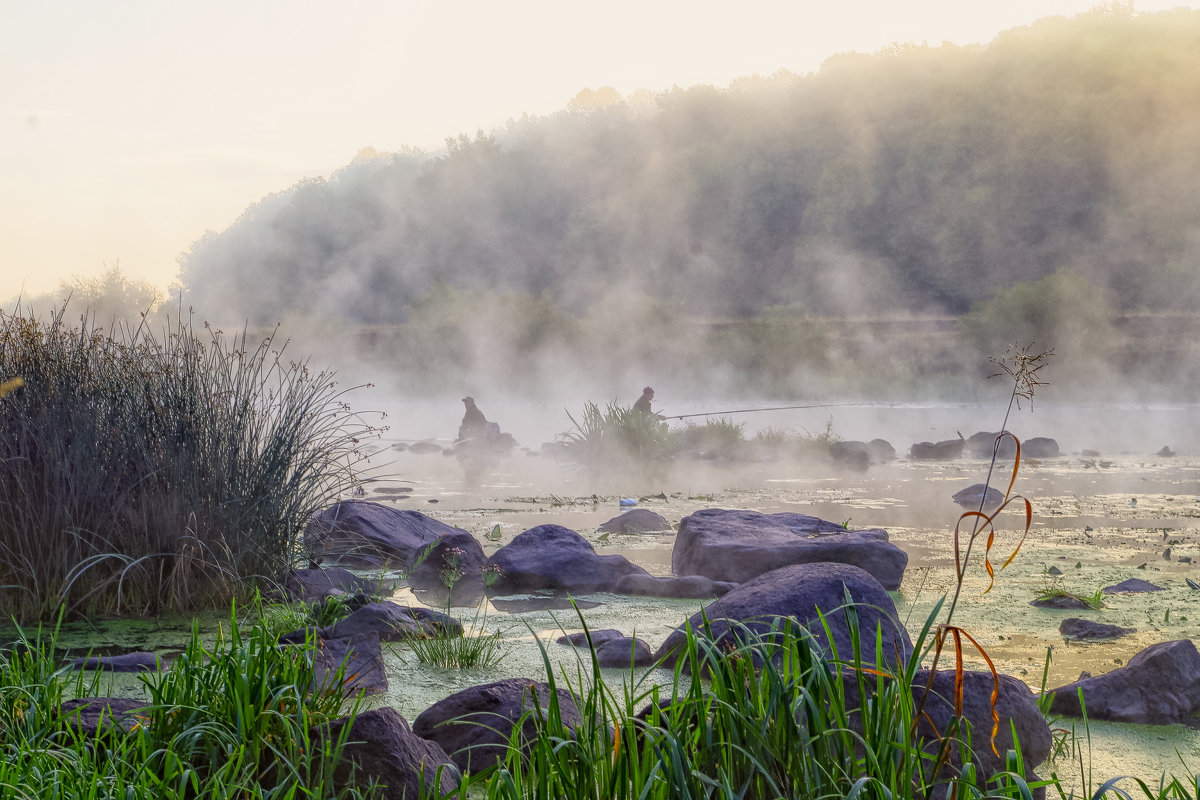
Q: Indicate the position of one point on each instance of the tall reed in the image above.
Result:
(143, 473)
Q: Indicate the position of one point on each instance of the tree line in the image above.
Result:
(917, 179)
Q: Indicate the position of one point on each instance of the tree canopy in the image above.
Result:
(914, 179)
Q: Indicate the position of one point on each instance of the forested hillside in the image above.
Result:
(922, 180)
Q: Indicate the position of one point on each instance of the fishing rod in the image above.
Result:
(749, 410)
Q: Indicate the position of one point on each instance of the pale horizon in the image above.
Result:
(129, 130)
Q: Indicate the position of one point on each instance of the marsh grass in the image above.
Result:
(144, 474)
(240, 717)
(476, 648)
(773, 716)
(717, 437)
(616, 439)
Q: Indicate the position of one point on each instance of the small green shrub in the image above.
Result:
(474, 649)
(717, 437)
(617, 439)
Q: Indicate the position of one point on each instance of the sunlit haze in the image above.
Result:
(129, 129)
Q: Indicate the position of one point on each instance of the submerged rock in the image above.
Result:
(971, 496)
(639, 520)
(1087, 630)
(127, 662)
(1133, 586)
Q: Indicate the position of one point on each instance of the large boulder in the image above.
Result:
(91, 716)
(362, 658)
(739, 545)
(807, 594)
(1040, 447)
(366, 535)
(476, 724)
(1159, 686)
(314, 584)
(1016, 708)
(450, 571)
(382, 749)
(851, 454)
(557, 558)
(984, 443)
(937, 451)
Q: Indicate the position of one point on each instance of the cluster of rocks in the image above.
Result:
(754, 570)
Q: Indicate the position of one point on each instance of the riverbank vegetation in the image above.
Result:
(237, 717)
(146, 472)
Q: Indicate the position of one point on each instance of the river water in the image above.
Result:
(1099, 517)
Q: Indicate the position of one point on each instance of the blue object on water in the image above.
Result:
(629, 501)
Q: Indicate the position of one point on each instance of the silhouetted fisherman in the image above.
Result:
(474, 423)
(643, 402)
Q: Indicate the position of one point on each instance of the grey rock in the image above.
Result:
(383, 749)
(983, 443)
(1040, 447)
(89, 716)
(362, 534)
(475, 725)
(554, 557)
(450, 571)
(1087, 630)
(1158, 686)
(363, 658)
(624, 652)
(392, 622)
(937, 451)
(970, 497)
(638, 520)
(315, 584)
(850, 454)
(598, 637)
(1133, 586)
(1016, 708)
(737, 545)
(128, 662)
(686, 586)
(802, 592)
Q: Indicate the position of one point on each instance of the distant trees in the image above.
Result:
(916, 180)
(110, 297)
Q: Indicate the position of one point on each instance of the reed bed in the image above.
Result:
(143, 473)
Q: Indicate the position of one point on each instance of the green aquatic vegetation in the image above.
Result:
(239, 717)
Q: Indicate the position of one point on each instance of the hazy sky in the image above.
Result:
(129, 128)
